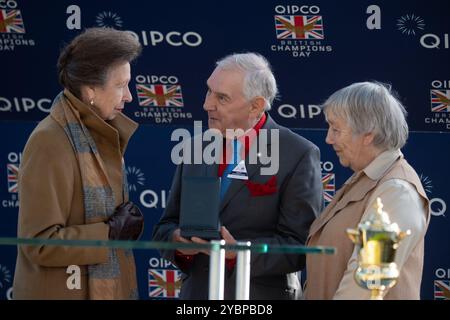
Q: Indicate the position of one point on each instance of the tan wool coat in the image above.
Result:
(51, 207)
(325, 272)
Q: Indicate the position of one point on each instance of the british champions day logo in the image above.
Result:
(164, 281)
(12, 28)
(13, 173)
(160, 99)
(299, 27)
(329, 187)
(441, 290)
(301, 35)
(442, 284)
(440, 104)
(12, 176)
(11, 21)
(328, 181)
(440, 100)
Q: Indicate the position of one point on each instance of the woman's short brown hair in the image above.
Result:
(87, 59)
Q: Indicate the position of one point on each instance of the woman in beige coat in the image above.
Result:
(367, 128)
(72, 184)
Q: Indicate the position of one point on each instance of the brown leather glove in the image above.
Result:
(126, 223)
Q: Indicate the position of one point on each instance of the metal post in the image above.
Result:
(243, 272)
(216, 270)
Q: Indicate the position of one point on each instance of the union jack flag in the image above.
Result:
(13, 172)
(440, 100)
(329, 186)
(159, 95)
(299, 27)
(11, 21)
(441, 289)
(164, 283)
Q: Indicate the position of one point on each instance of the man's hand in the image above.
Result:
(176, 237)
(226, 235)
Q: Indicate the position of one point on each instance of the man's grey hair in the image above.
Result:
(371, 107)
(258, 77)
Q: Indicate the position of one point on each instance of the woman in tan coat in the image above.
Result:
(72, 184)
(367, 128)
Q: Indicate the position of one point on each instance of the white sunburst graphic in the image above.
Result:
(108, 19)
(426, 183)
(5, 276)
(410, 24)
(135, 177)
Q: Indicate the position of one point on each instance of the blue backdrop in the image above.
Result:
(404, 43)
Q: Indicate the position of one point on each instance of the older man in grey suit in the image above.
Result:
(273, 208)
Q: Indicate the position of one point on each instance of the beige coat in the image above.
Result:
(325, 272)
(51, 206)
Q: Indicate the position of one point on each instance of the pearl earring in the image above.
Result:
(92, 102)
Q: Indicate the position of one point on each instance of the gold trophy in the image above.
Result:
(377, 239)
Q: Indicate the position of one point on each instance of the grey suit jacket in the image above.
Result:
(283, 217)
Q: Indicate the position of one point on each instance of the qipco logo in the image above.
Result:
(8, 4)
(294, 9)
(438, 207)
(299, 112)
(172, 38)
(25, 104)
(153, 200)
(433, 41)
(326, 166)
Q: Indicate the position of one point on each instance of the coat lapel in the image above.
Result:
(351, 192)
